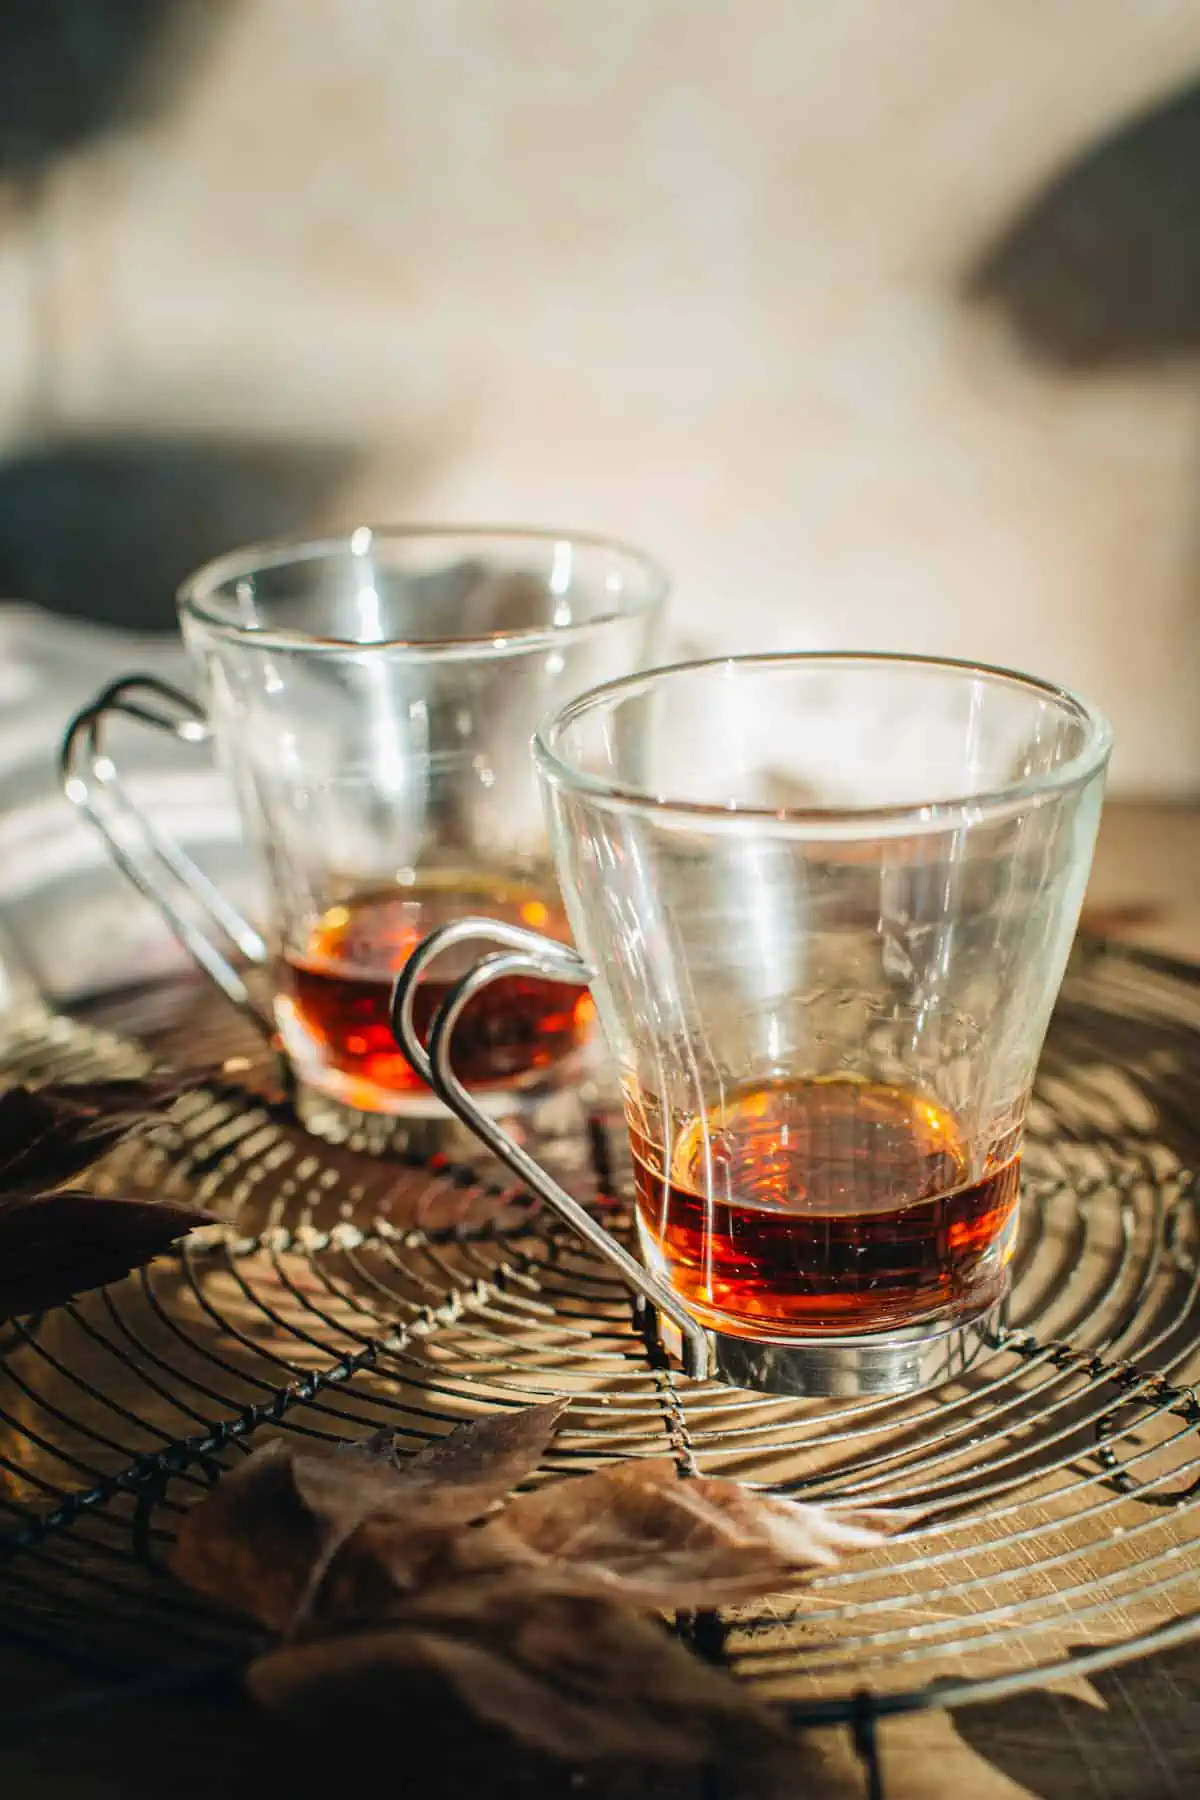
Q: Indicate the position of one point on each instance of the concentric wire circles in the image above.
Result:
(1054, 1491)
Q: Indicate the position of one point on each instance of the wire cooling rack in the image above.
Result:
(1058, 1484)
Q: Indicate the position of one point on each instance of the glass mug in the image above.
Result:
(371, 699)
(824, 904)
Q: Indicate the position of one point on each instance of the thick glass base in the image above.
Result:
(426, 1129)
(877, 1363)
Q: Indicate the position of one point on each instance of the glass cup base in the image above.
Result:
(418, 1127)
(886, 1363)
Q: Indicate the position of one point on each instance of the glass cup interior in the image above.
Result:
(827, 902)
(467, 591)
(825, 738)
(372, 700)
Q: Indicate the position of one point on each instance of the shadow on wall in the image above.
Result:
(73, 71)
(106, 530)
(1102, 269)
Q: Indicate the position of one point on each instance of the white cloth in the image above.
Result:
(68, 919)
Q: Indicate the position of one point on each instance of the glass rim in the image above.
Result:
(196, 594)
(906, 816)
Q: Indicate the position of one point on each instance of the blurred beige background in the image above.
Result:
(687, 272)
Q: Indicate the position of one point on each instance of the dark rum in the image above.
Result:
(335, 992)
(824, 1205)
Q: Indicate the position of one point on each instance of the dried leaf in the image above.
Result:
(479, 1462)
(637, 1531)
(50, 1135)
(386, 1586)
(418, 1499)
(422, 1497)
(582, 1679)
(380, 1561)
(252, 1542)
(634, 1532)
(261, 1540)
(56, 1241)
(54, 1246)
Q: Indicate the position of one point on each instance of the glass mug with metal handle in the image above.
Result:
(824, 904)
(371, 699)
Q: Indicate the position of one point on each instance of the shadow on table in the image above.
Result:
(215, 1747)
(1142, 1738)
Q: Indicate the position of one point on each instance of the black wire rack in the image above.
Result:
(1057, 1484)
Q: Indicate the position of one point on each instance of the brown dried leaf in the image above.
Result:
(421, 1498)
(582, 1679)
(479, 1462)
(381, 1560)
(262, 1539)
(444, 1486)
(637, 1531)
(50, 1135)
(252, 1542)
(54, 1246)
(377, 1567)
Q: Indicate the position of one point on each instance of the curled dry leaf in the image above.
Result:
(376, 1570)
(227, 1547)
(252, 1542)
(418, 1499)
(259, 1540)
(579, 1678)
(55, 1240)
(635, 1533)
(635, 1530)
(473, 1466)
(54, 1246)
(51, 1134)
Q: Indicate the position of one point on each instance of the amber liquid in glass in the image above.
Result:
(825, 1205)
(335, 992)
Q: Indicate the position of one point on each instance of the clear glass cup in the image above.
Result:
(371, 699)
(824, 904)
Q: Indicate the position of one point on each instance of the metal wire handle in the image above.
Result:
(528, 954)
(194, 908)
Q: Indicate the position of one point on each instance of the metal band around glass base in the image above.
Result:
(871, 1364)
(880, 1363)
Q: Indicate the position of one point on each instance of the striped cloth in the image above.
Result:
(68, 919)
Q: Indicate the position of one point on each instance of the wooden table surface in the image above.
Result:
(1134, 1732)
